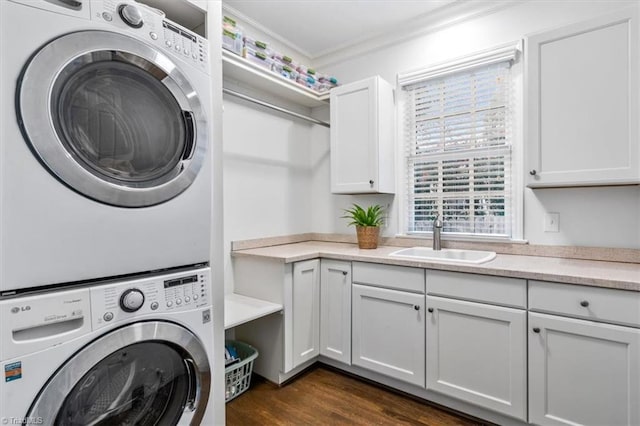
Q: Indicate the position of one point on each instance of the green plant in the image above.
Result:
(372, 216)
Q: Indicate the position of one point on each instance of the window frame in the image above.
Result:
(508, 51)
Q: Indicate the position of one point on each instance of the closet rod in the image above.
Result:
(275, 107)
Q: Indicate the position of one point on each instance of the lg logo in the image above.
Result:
(17, 309)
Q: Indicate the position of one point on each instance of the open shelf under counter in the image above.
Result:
(239, 309)
(237, 68)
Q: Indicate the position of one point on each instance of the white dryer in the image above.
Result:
(104, 159)
(135, 352)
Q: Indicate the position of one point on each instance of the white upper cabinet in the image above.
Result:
(362, 135)
(582, 108)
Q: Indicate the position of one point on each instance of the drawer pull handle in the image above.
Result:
(533, 172)
(430, 310)
(536, 329)
(416, 307)
(344, 273)
(584, 303)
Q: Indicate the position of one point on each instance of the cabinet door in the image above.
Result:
(477, 353)
(335, 310)
(388, 332)
(304, 313)
(583, 372)
(362, 118)
(582, 108)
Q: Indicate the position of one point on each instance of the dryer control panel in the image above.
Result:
(152, 26)
(175, 292)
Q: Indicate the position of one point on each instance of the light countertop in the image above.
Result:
(618, 275)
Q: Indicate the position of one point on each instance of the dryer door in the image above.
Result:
(113, 118)
(147, 373)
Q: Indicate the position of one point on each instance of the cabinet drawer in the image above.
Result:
(478, 288)
(594, 303)
(390, 276)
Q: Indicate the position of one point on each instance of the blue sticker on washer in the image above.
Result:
(13, 371)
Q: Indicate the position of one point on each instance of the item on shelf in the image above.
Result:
(257, 46)
(285, 70)
(258, 58)
(306, 80)
(285, 60)
(327, 79)
(260, 54)
(232, 36)
(323, 87)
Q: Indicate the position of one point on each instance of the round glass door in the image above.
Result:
(142, 384)
(112, 118)
(119, 122)
(145, 373)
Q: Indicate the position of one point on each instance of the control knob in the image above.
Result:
(131, 300)
(130, 15)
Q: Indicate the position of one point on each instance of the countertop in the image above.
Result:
(623, 276)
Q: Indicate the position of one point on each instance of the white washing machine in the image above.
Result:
(104, 160)
(135, 352)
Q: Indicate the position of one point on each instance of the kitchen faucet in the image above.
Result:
(437, 227)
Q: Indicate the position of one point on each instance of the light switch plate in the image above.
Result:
(552, 222)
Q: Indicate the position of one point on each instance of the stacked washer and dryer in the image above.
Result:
(105, 193)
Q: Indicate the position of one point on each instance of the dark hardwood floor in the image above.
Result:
(324, 396)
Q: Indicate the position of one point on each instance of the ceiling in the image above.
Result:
(319, 27)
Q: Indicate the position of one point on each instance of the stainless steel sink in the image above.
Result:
(446, 255)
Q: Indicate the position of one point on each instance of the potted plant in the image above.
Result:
(367, 224)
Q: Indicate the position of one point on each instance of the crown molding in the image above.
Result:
(450, 15)
(447, 16)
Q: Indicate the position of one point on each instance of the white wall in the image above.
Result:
(267, 175)
(276, 168)
(606, 217)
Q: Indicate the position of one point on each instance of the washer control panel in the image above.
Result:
(175, 292)
(151, 25)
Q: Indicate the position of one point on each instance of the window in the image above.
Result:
(458, 146)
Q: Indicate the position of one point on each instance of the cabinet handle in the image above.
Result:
(584, 303)
(533, 172)
(536, 329)
(416, 307)
(371, 182)
(344, 273)
(430, 310)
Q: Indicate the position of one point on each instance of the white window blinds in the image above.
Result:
(458, 150)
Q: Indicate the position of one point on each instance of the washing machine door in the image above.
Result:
(113, 118)
(148, 373)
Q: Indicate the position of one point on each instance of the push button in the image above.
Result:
(108, 316)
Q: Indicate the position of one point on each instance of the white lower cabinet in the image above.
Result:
(583, 372)
(388, 332)
(335, 310)
(304, 311)
(466, 339)
(477, 353)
